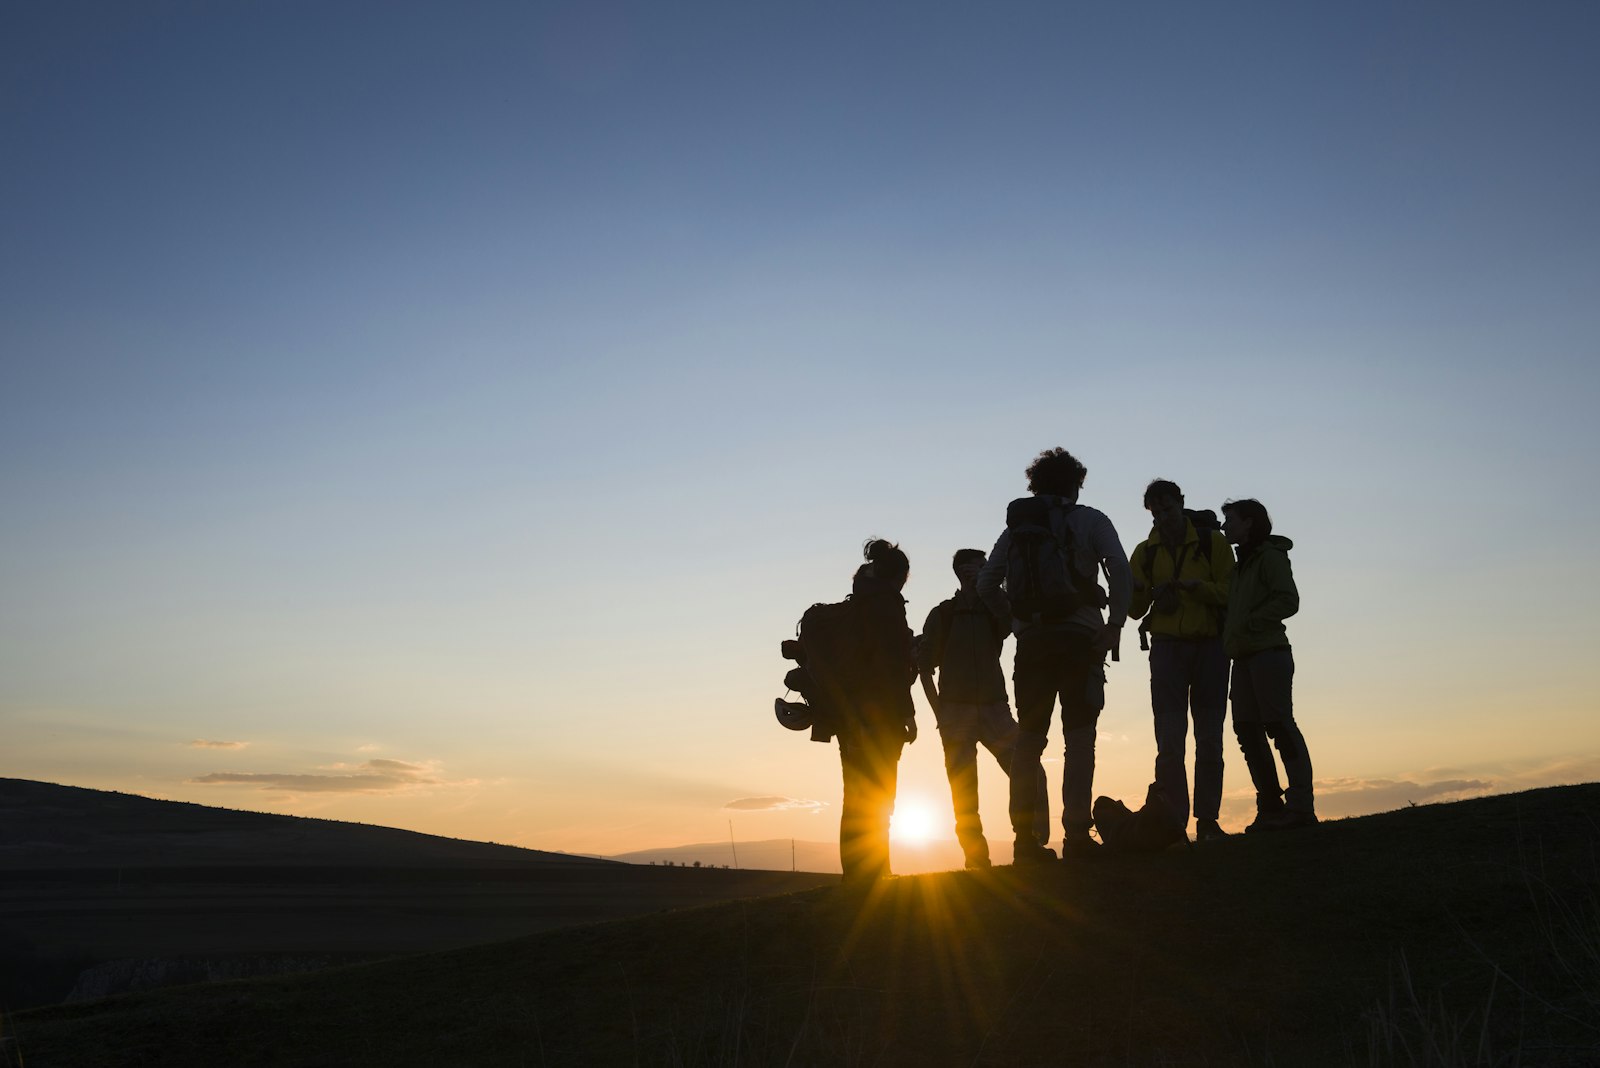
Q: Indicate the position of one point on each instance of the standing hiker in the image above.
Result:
(1180, 577)
(1261, 597)
(962, 638)
(1049, 558)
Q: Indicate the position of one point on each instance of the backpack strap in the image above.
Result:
(1149, 555)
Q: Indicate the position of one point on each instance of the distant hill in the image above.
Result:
(1452, 934)
(46, 826)
(784, 854)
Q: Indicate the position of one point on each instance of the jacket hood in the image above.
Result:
(1273, 542)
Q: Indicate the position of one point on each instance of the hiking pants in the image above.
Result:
(1189, 677)
(870, 761)
(961, 728)
(1054, 663)
(1263, 708)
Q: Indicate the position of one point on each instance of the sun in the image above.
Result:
(914, 820)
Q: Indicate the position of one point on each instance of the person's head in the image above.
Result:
(885, 562)
(966, 564)
(1056, 472)
(1246, 522)
(1164, 500)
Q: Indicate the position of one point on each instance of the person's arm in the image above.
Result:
(928, 655)
(1142, 593)
(992, 575)
(1119, 577)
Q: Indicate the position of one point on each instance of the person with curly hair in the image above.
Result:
(1043, 574)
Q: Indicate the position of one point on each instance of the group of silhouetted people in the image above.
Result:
(1203, 609)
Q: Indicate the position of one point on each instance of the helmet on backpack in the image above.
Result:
(792, 714)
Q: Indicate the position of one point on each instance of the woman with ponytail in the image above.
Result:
(881, 718)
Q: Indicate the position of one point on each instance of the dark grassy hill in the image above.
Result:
(46, 826)
(103, 892)
(1465, 933)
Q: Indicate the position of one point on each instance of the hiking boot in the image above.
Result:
(1077, 847)
(978, 864)
(1209, 831)
(1028, 852)
(1264, 815)
(1286, 820)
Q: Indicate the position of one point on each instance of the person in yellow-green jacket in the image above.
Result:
(1180, 578)
(1261, 597)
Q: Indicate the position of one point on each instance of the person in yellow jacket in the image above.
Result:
(1181, 575)
(1263, 594)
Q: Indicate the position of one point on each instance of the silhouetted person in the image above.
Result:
(1180, 577)
(1262, 595)
(879, 718)
(1049, 559)
(962, 638)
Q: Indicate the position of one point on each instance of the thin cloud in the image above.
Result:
(372, 777)
(1339, 798)
(771, 804)
(1357, 797)
(208, 743)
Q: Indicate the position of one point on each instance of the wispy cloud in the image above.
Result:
(1355, 797)
(208, 743)
(771, 804)
(372, 777)
(1364, 796)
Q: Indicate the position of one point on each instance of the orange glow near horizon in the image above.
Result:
(915, 821)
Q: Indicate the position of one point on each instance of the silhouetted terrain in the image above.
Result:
(1465, 933)
(45, 826)
(104, 892)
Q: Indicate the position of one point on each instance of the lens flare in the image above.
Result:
(914, 820)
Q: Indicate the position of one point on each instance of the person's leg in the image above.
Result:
(885, 782)
(1079, 667)
(998, 733)
(1170, 663)
(1208, 697)
(1034, 683)
(1274, 671)
(1252, 736)
(959, 730)
(870, 771)
(854, 850)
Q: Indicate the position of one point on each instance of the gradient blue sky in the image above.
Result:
(444, 411)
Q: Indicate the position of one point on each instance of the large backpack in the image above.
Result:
(833, 656)
(1042, 583)
(1154, 827)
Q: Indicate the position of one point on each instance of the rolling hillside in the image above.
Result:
(1465, 933)
(102, 893)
